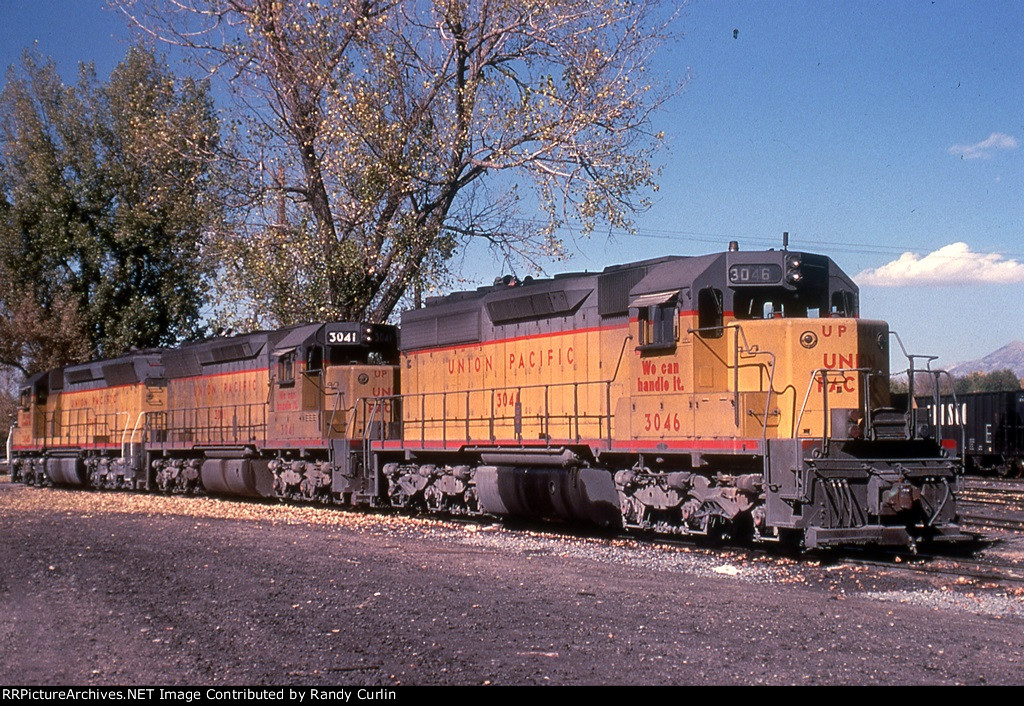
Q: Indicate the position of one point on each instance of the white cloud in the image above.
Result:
(985, 148)
(952, 264)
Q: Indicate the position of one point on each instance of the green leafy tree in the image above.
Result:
(106, 192)
(995, 381)
(384, 136)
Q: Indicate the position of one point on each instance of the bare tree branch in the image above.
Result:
(386, 115)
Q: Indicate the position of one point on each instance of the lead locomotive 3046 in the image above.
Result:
(737, 394)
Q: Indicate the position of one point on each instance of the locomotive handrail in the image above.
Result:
(138, 420)
(753, 351)
(911, 371)
(747, 350)
(958, 418)
(824, 372)
(911, 413)
(938, 510)
(351, 411)
(10, 447)
(76, 432)
(338, 393)
(124, 433)
(371, 414)
(961, 422)
(212, 431)
(622, 351)
(572, 420)
(735, 366)
(939, 420)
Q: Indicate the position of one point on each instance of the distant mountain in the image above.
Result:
(1009, 356)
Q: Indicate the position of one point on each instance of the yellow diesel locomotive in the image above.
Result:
(734, 394)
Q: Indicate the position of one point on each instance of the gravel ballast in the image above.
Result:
(115, 588)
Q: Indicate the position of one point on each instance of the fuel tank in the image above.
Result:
(67, 471)
(586, 494)
(249, 478)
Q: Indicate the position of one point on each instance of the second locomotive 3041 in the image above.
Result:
(736, 394)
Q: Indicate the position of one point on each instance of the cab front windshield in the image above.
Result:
(777, 303)
(358, 355)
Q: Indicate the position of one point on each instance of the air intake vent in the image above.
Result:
(226, 352)
(459, 328)
(81, 375)
(613, 290)
(120, 373)
(542, 305)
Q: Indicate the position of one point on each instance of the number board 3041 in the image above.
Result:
(336, 337)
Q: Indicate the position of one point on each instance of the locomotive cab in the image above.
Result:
(761, 344)
(323, 374)
(801, 313)
(756, 370)
(323, 378)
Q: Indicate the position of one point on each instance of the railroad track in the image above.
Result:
(965, 563)
(993, 503)
(981, 569)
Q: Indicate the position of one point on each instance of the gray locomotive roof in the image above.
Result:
(219, 354)
(587, 299)
(31, 380)
(296, 337)
(124, 370)
(674, 274)
(560, 281)
(574, 299)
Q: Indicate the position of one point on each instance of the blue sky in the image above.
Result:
(865, 129)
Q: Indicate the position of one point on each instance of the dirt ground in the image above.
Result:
(109, 588)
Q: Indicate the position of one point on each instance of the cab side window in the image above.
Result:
(709, 312)
(844, 304)
(658, 325)
(314, 359)
(286, 369)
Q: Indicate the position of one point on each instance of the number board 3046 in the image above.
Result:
(755, 274)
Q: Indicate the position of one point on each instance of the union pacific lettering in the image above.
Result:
(836, 361)
(91, 399)
(545, 357)
(383, 382)
(216, 388)
(517, 339)
(470, 364)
